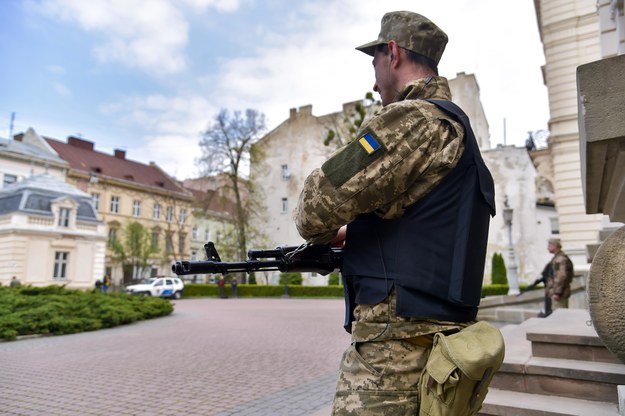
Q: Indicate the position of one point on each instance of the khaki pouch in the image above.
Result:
(459, 370)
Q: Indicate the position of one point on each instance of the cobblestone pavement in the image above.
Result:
(210, 357)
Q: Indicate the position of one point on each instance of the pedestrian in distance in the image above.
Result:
(106, 283)
(234, 287)
(556, 276)
(221, 283)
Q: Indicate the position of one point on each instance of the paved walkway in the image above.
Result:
(210, 357)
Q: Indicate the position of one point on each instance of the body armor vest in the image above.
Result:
(434, 254)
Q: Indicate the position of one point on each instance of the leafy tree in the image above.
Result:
(498, 270)
(133, 250)
(344, 128)
(226, 145)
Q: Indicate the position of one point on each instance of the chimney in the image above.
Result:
(120, 154)
(292, 113)
(305, 110)
(81, 143)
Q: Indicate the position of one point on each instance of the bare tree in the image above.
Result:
(226, 147)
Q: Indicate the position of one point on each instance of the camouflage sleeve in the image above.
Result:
(399, 156)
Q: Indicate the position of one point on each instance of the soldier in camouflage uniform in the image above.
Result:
(558, 282)
(408, 190)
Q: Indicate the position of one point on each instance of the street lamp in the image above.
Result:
(513, 282)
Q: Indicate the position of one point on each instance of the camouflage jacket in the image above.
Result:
(560, 277)
(400, 155)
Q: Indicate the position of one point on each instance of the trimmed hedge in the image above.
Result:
(28, 310)
(211, 290)
(331, 291)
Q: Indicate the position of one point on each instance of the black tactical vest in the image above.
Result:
(434, 254)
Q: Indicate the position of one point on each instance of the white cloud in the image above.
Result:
(56, 69)
(150, 35)
(220, 5)
(311, 59)
(172, 127)
(61, 89)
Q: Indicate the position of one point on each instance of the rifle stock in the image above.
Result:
(316, 258)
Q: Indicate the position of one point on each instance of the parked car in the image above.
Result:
(171, 287)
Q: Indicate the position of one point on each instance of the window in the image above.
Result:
(169, 244)
(64, 217)
(136, 208)
(170, 214)
(96, 201)
(207, 234)
(285, 172)
(9, 179)
(155, 240)
(194, 255)
(156, 213)
(183, 215)
(112, 236)
(285, 205)
(60, 264)
(194, 232)
(115, 204)
(181, 238)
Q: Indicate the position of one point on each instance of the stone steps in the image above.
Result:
(508, 403)
(555, 366)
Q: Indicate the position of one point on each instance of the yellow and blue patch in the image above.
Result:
(369, 143)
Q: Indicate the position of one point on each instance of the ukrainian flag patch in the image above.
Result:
(369, 143)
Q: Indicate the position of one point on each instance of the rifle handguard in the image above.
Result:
(321, 259)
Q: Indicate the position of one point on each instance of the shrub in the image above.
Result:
(55, 310)
(498, 271)
(333, 279)
(294, 278)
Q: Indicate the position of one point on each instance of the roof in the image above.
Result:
(37, 193)
(213, 202)
(17, 148)
(81, 156)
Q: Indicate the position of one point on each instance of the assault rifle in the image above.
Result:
(318, 258)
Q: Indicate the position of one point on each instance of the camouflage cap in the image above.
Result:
(411, 31)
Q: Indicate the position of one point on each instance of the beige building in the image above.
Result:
(574, 32)
(49, 234)
(124, 191)
(212, 220)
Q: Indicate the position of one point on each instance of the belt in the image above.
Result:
(424, 341)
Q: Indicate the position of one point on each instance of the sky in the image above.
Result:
(148, 76)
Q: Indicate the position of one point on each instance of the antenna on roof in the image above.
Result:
(11, 125)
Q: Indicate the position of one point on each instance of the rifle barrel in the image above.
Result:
(212, 267)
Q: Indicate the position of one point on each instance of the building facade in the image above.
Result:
(570, 33)
(28, 157)
(50, 234)
(123, 192)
